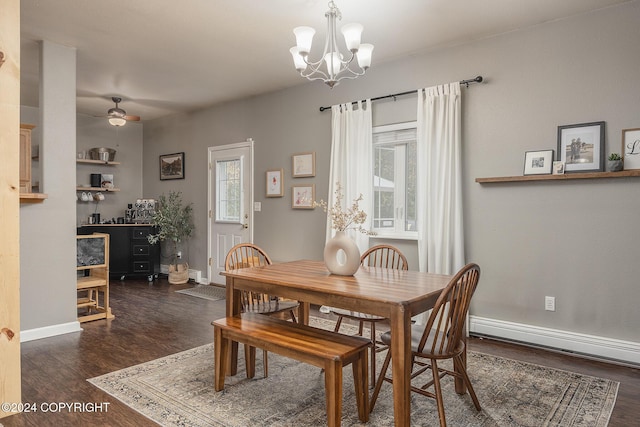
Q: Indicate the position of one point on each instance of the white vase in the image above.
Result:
(341, 255)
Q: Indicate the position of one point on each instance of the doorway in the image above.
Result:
(230, 203)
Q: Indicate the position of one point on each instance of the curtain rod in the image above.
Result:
(477, 79)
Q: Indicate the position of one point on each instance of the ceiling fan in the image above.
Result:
(117, 116)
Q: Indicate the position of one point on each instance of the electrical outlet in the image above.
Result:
(179, 255)
(550, 303)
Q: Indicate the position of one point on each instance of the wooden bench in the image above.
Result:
(325, 349)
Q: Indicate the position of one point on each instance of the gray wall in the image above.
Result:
(573, 240)
(47, 229)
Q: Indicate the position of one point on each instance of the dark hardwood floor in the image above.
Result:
(153, 321)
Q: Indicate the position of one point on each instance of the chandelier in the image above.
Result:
(336, 67)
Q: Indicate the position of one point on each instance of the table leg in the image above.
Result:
(303, 312)
(401, 366)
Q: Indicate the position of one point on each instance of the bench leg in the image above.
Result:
(221, 358)
(333, 391)
(250, 360)
(360, 378)
(232, 366)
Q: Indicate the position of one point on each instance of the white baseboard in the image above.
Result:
(49, 331)
(590, 345)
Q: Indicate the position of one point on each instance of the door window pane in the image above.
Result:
(229, 190)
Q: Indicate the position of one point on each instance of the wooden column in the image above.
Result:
(10, 377)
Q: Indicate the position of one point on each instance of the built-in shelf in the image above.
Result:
(106, 190)
(96, 162)
(566, 176)
(32, 197)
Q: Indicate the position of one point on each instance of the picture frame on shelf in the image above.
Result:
(302, 196)
(303, 165)
(581, 147)
(558, 168)
(631, 148)
(172, 166)
(274, 187)
(107, 181)
(538, 162)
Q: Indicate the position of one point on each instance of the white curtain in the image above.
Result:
(440, 227)
(351, 161)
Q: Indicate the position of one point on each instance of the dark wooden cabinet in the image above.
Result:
(130, 253)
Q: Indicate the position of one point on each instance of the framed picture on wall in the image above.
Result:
(303, 164)
(172, 166)
(631, 148)
(538, 162)
(274, 183)
(581, 147)
(302, 196)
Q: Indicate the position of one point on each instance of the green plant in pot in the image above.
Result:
(174, 220)
(615, 162)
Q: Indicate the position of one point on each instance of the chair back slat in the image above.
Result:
(386, 256)
(245, 255)
(445, 326)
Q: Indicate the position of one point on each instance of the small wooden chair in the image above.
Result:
(386, 256)
(441, 338)
(245, 255)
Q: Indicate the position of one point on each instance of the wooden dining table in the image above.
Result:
(394, 294)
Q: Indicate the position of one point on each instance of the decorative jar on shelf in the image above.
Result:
(341, 255)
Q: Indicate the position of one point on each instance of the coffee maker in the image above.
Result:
(141, 212)
(130, 214)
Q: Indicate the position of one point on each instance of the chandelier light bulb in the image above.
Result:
(298, 60)
(304, 38)
(333, 63)
(364, 55)
(352, 34)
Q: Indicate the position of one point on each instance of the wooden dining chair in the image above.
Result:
(386, 256)
(441, 338)
(245, 255)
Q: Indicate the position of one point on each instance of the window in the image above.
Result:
(394, 180)
(228, 194)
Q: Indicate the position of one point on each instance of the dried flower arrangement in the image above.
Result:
(352, 218)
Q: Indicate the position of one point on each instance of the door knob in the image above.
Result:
(245, 225)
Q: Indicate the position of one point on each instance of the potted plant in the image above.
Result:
(174, 220)
(615, 162)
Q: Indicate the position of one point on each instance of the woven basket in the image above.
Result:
(178, 273)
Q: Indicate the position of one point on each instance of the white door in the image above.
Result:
(230, 202)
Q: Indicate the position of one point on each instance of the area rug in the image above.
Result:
(177, 390)
(213, 293)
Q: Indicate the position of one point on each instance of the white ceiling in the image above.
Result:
(163, 57)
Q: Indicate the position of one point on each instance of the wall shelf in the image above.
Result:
(565, 177)
(102, 189)
(32, 197)
(96, 162)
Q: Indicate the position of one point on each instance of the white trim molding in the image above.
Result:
(49, 331)
(590, 345)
